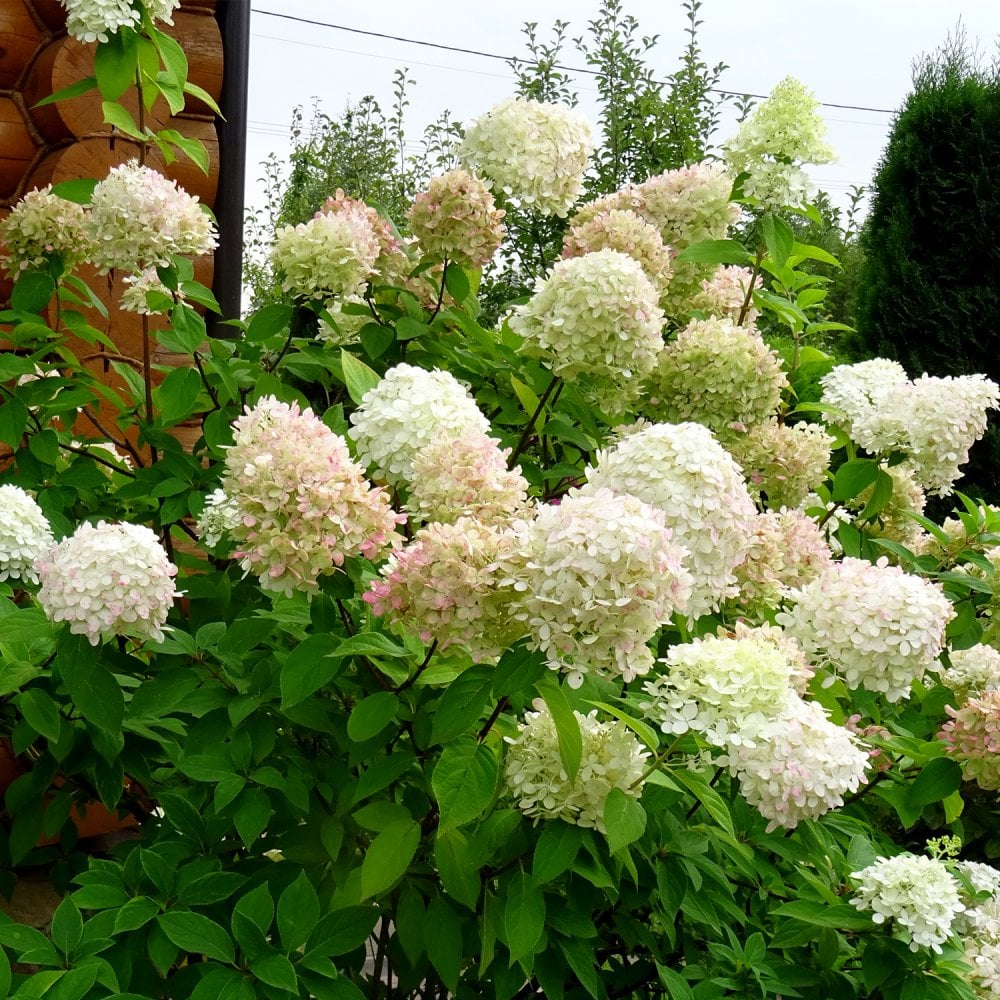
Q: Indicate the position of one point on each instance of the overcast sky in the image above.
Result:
(852, 52)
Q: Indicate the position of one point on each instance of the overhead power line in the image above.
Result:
(508, 59)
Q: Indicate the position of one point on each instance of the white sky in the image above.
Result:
(855, 52)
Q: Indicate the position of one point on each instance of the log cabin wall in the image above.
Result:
(69, 139)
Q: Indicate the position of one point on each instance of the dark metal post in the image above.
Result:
(234, 23)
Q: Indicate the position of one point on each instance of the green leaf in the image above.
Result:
(187, 333)
(342, 931)
(41, 713)
(92, 688)
(464, 782)
(457, 283)
(519, 668)
(257, 906)
(115, 63)
(881, 495)
(202, 95)
(854, 477)
(276, 971)
(938, 779)
(5, 974)
(376, 339)
(778, 237)
(523, 916)
(358, 377)
(136, 913)
(174, 61)
(371, 644)
(116, 116)
(580, 957)
(462, 704)
(624, 820)
(298, 913)
(79, 191)
(33, 291)
(67, 926)
(713, 802)
(268, 322)
(176, 397)
(78, 89)
(443, 939)
(715, 252)
(408, 328)
(13, 420)
(645, 733)
(841, 916)
(567, 726)
(814, 253)
(676, 984)
(458, 867)
(556, 850)
(388, 857)
(253, 810)
(309, 667)
(197, 935)
(371, 715)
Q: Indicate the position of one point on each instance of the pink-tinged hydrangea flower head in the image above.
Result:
(533, 151)
(408, 410)
(596, 316)
(798, 766)
(860, 390)
(391, 262)
(972, 737)
(787, 551)
(723, 294)
(332, 254)
(626, 232)
(304, 504)
(42, 226)
(25, 535)
(782, 462)
(780, 134)
(457, 218)
(445, 586)
(717, 374)
(466, 476)
(107, 580)
(875, 625)
(918, 894)
(594, 577)
(540, 787)
(726, 689)
(138, 218)
(683, 471)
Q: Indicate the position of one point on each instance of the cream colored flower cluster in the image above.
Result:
(973, 671)
(139, 286)
(593, 578)
(612, 758)
(107, 580)
(96, 20)
(918, 894)
(782, 133)
(138, 218)
(972, 737)
(408, 410)
(533, 151)
(626, 232)
(597, 316)
(42, 226)
(860, 390)
(466, 476)
(25, 535)
(799, 765)
(445, 586)
(457, 218)
(219, 518)
(304, 504)
(392, 262)
(683, 471)
(723, 294)
(875, 625)
(717, 374)
(782, 462)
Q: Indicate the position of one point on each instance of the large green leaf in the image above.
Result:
(388, 857)
(624, 819)
(197, 935)
(524, 915)
(464, 781)
(567, 726)
(298, 913)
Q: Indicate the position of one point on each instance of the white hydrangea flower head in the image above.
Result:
(683, 471)
(875, 625)
(597, 316)
(782, 463)
(138, 219)
(42, 226)
(725, 689)
(612, 758)
(96, 20)
(973, 671)
(972, 737)
(781, 133)
(802, 669)
(787, 551)
(457, 218)
(723, 294)
(466, 476)
(107, 580)
(446, 586)
(944, 417)
(304, 503)
(535, 152)
(717, 374)
(798, 766)
(984, 878)
(983, 954)
(918, 894)
(861, 390)
(626, 232)
(139, 285)
(344, 326)
(218, 519)
(332, 254)
(25, 535)
(594, 578)
(408, 410)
